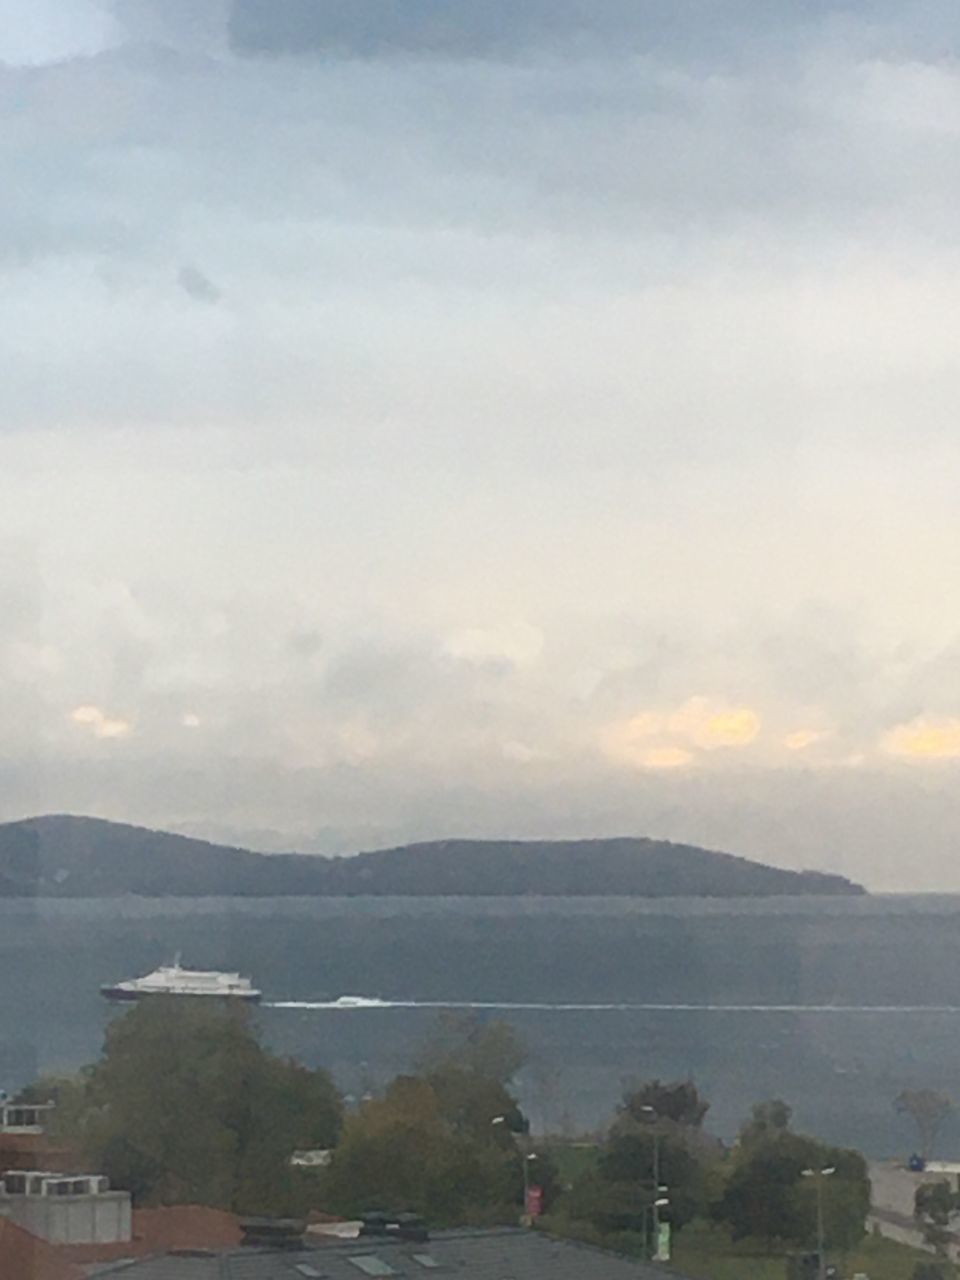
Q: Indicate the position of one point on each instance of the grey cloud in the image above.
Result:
(495, 209)
(690, 29)
(195, 26)
(197, 285)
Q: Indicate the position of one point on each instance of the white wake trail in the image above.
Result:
(361, 1004)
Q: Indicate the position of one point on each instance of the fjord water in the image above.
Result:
(834, 1004)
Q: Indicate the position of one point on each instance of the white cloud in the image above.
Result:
(522, 753)
(39, 32)
(517, 643)
(100, 724)
(803, 739)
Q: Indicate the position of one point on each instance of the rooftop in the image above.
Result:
(182, 1227)
(24, 1257)
(501, 1254)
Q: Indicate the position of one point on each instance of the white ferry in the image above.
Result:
(174, 980)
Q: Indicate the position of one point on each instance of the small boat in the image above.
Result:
(175, 980)
(358, 1002)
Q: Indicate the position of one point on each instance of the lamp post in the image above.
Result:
(526, 1158)
(819, 1175)
(658, 1204)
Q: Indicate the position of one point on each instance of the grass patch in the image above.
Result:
(707, 1253)
(573, 1160)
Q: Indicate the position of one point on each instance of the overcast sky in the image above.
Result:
(507, 419)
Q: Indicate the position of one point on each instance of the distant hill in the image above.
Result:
(72, 857)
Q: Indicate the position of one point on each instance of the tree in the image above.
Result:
(628, 1160)
(470, 1103)
(643, 1150)
(767, 1120)
(295, 1108)
(444, 1141)
(934, 1203)
(468, 1065)
(491, 1050)
(678, 1101)
(402, 1152)
(845, 1198)
(69, 1097)
(760, 1199)
(927, 1271)
(768, 1198)
(185, 1106)
(600, 1209)
(928, 1108)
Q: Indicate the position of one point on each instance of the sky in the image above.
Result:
(435, 419)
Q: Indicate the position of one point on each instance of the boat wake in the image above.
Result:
(354, 1003)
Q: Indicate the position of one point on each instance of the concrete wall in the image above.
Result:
(100, 1219)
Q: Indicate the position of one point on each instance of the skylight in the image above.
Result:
(371, 1265)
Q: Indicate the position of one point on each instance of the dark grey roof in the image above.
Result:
(502, 1254)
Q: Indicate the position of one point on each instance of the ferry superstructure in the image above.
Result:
(175, 980)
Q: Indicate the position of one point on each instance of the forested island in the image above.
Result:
(64, 856)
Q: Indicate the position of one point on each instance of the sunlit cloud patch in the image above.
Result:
(925, 738)
(99, 723)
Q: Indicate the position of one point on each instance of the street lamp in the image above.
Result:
(650, 1211)
(819, 1175)
(527, 1157)
(658, 1204)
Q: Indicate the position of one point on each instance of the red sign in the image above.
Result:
(534, 1202)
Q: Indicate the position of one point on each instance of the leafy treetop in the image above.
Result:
(677, 1101)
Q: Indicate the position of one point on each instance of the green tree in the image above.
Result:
(928, 1109)
(934, 1203)
(927, 1271)
(470, 1103)
(655, 1139)
(603, 1208)
(678, 1101)
(628, 1160)
(767, 1196)
(403, 1152)
(69, 1094)
(760, 1199)
(128, 1165)
(461, 1041)
(449, 1142)
(767, 1120)
(185, 1106)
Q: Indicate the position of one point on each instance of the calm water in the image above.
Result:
(833, 1004)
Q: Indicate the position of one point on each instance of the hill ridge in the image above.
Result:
(73, 855)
